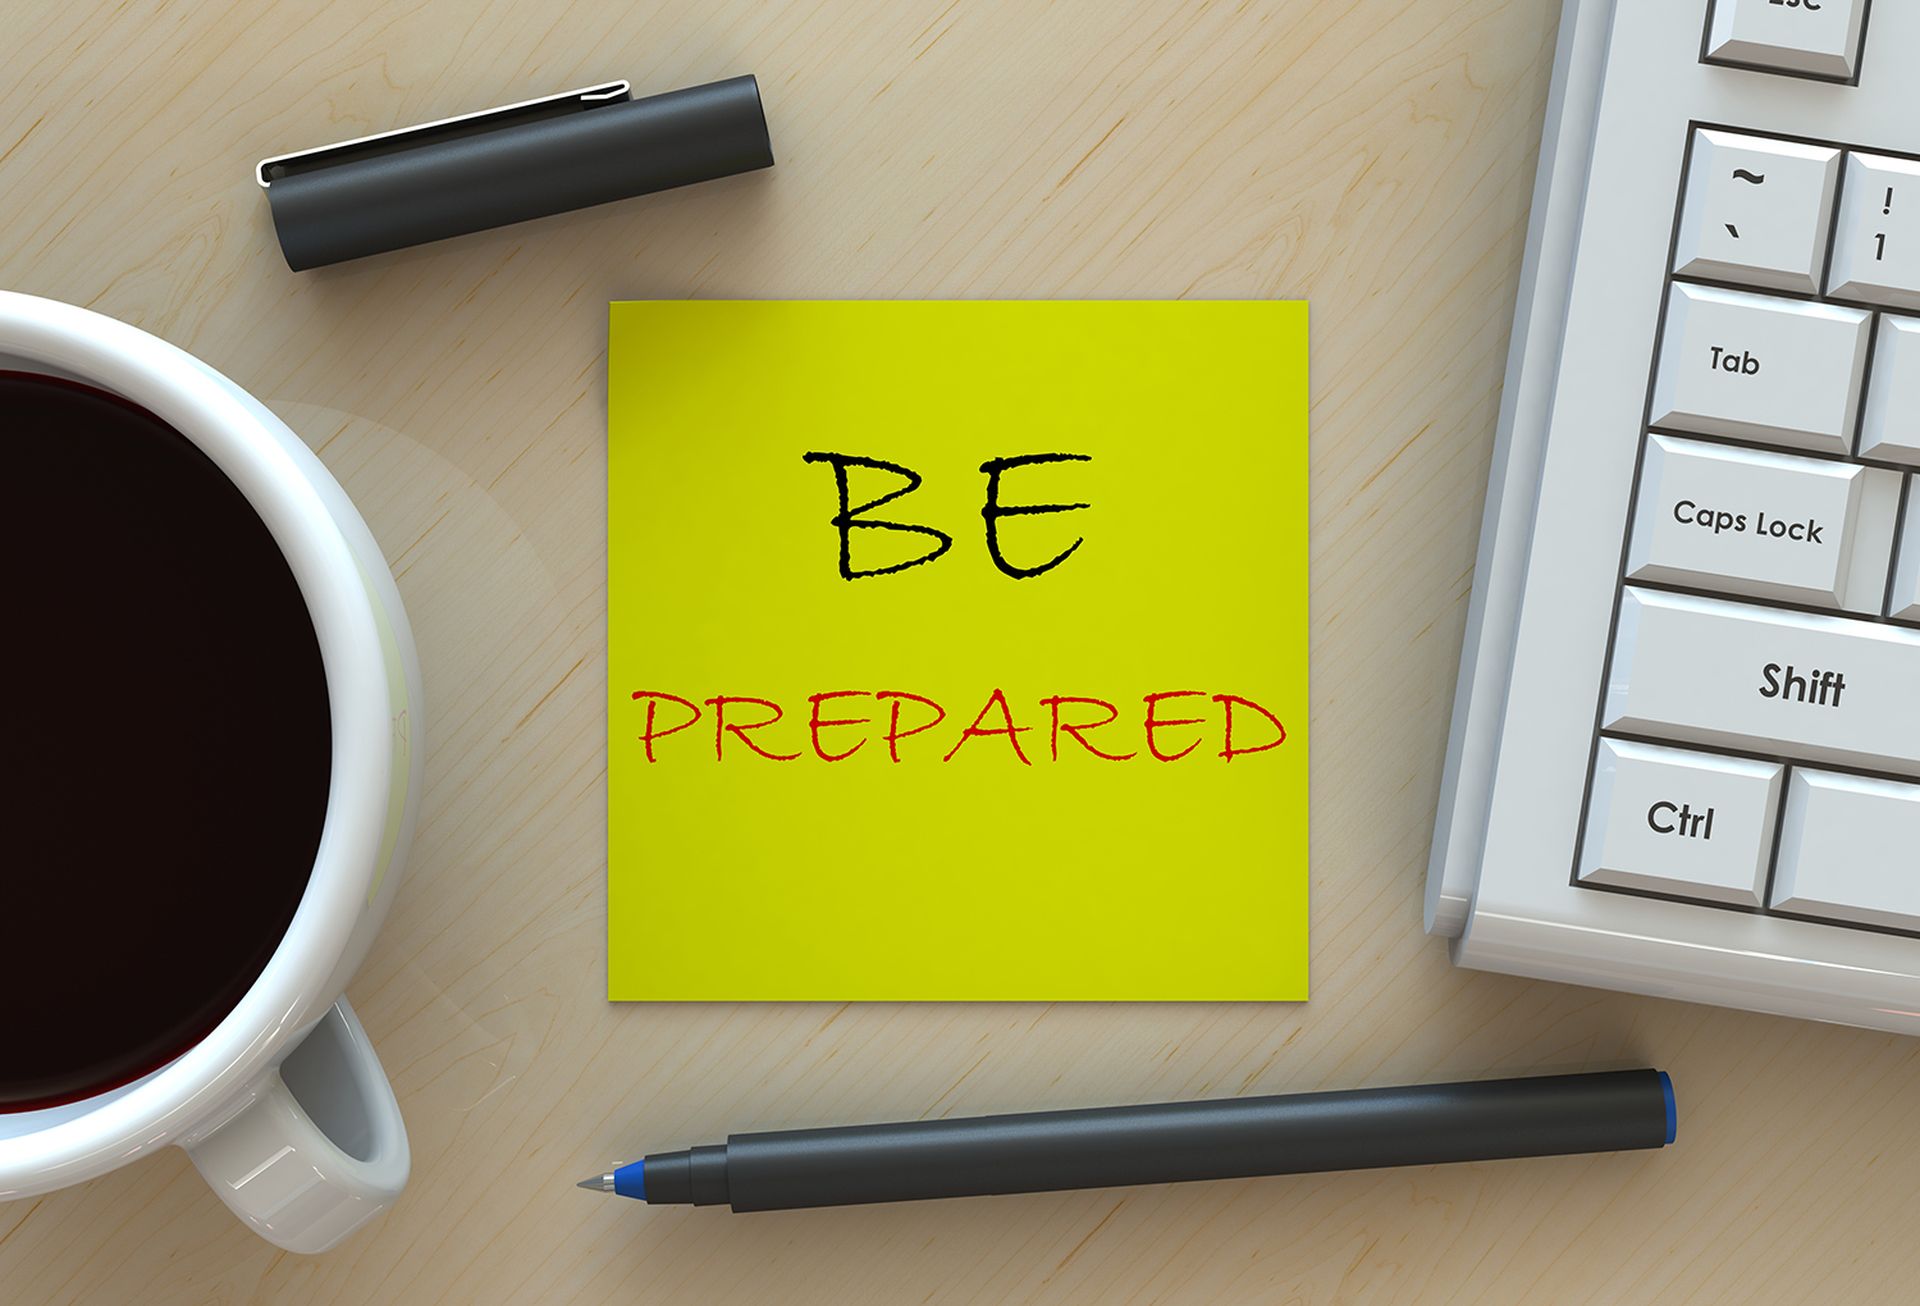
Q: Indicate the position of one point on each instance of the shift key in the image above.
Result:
(1784, 684)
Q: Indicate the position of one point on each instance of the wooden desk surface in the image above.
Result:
(1374, 156)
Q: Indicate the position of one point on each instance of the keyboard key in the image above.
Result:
(1890, 428)
(1815, 38)
(1850, 850)
(1683, 823)
(1757, 211)
(1754, 367)
(1876, 245)
(1768, 525)
(1905, 605)
(1788, 684)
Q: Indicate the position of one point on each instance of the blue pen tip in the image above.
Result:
(631, 1180)
(1673, 1114)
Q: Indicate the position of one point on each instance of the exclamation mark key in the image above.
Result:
(1876, 246)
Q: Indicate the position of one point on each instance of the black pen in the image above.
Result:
(1108, 1147)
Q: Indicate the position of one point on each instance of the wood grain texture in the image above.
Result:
(1374, 156)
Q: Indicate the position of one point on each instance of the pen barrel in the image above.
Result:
(1233, 1138)
(448, 187)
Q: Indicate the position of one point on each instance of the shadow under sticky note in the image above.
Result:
(957, 650)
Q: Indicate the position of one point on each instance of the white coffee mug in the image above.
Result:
(283, 1107)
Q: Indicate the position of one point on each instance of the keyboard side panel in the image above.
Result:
(1546, 274)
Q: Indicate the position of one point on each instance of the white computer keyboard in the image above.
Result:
(1685, 756)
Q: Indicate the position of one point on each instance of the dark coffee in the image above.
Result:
(167, 742)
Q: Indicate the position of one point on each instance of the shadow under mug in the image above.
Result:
(283, 1107)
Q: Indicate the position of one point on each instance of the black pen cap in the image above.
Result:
(504, 165)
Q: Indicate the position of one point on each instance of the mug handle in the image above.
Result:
(320, 1149)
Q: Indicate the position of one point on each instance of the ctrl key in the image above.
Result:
(1694, 825)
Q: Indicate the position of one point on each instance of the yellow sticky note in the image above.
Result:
(957, 650)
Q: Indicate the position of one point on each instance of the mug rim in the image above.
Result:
(238, 434)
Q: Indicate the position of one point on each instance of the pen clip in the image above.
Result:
(280, 166)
